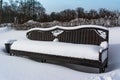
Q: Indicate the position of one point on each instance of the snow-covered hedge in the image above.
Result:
(102, 22)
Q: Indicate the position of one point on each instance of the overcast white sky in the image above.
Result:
(58, 5)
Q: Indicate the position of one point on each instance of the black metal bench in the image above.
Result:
(87, 34)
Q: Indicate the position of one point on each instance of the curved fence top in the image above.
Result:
(70, 28)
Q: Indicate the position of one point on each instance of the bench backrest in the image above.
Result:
(87, 34)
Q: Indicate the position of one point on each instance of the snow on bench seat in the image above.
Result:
(84, 51)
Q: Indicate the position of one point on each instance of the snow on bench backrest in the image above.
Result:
(85, 34)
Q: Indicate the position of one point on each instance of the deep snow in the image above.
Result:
(18, 68)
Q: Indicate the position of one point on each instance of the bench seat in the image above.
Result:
(84, 51)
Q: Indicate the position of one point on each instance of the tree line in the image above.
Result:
(20, 11)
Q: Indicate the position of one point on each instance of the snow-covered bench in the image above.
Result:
(85, 45)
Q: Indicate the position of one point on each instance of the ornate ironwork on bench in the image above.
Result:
(86, 34)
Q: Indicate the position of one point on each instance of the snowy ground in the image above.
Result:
(18, 68)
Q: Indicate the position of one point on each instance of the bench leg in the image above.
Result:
(106, 64)
(43, 60)
(11, 54)
(101, 70)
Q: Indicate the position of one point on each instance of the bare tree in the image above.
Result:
(1, 2)
(93, 14)
(67, 15)
(80, 12)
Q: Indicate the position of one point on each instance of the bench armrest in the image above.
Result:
(103, 54)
